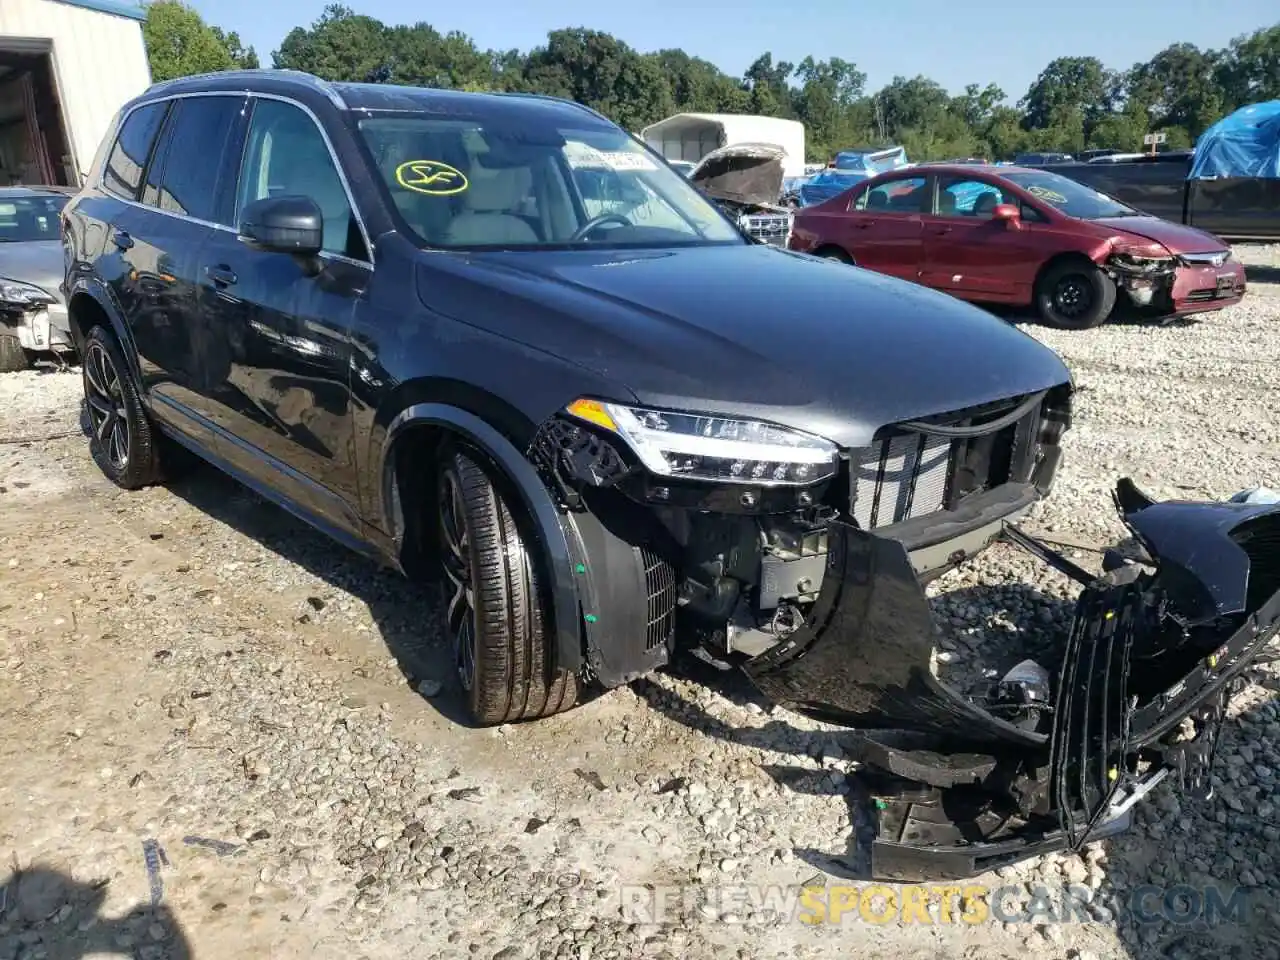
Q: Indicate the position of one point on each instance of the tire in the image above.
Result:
(500, 628)
(124, 444)
(832, 253)
(12, 356)
(1075, 296)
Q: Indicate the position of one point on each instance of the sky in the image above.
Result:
(1006, 42)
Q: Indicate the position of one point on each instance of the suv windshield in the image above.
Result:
(467, 183)
(31, 218)
(1069, 197)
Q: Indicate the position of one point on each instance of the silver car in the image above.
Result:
(33, 315)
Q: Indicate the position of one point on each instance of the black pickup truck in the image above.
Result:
(1234, 208)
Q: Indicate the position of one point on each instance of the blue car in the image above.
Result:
(851, 167)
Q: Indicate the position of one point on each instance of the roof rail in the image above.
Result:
(310, 79)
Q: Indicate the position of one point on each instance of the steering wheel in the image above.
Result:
(583, 231)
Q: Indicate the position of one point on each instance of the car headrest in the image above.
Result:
(501, 190)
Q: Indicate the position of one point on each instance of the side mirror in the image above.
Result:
(1006, 212)
(291, 225)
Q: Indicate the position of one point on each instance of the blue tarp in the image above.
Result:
(1243, 144)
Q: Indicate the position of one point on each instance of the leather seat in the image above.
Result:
(489, 203)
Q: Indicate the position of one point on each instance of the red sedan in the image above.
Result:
(1024, 237)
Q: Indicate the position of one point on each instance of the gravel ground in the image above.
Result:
(224, 736)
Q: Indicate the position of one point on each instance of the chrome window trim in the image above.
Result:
(247, 94)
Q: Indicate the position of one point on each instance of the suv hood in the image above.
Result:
(1174, 237)
(37, 262)
(747, 331)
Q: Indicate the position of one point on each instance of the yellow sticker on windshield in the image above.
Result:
(431, 177)
(1044, 193)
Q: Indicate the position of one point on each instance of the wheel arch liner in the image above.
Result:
(550, 535)
(95, 290)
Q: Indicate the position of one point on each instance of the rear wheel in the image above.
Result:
(123, 442)
(1075, 296)
(12, 356)
(501, 633)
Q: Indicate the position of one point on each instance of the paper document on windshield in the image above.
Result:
(580, 155)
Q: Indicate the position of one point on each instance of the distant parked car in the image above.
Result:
(1018, 236)
(33, 317)
(1040, 159)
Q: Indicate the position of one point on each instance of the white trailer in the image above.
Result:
(66, 67)
(691, 136)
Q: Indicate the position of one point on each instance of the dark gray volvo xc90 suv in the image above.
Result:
(497, 338)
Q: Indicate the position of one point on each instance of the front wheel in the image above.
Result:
(1075, 296)
(499, 628)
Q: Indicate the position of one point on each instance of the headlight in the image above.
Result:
(23, 294)
(704, 447)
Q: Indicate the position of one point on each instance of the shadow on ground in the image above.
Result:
(408, 615)
(1261, 273)
(45, 913)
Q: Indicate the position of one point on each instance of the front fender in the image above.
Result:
(100, 294)
(552, 544)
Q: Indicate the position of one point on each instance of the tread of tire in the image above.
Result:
(515, 675)
(12, 356)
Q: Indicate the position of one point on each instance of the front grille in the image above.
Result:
(771, 228)
(906, 474)
(1214, 259)
(660, 584)
(1199, 296)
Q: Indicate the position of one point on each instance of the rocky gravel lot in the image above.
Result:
(224, 736)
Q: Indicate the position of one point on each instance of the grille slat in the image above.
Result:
(660, 584)
(911, 474)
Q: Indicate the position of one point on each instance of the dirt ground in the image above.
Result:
(223, 736)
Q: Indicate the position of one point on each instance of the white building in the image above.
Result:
(66, 67)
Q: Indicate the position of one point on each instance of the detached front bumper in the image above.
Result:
(1139, 687)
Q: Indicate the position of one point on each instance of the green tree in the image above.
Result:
(602, 72)
(179, 43)
(1249, 70)
(340, 45)
(1066, 100)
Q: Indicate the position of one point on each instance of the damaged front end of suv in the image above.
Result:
(805, 565)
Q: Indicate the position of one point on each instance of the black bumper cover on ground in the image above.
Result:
(959, 790)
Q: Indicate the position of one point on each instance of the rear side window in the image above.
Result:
(904, 195)
(185, 176)
(123, 172)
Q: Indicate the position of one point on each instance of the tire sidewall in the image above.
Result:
(139, 468)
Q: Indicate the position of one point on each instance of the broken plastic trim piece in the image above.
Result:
(1152, 643)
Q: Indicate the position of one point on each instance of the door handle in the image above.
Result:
(121, 239)
(221, 275)
(942, 230)
(865, 224)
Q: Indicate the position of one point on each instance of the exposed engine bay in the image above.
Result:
(745, 180)
(817, 591)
